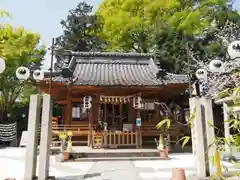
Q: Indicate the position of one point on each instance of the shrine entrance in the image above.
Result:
(118, 118)
(115, 111)
(115, 115)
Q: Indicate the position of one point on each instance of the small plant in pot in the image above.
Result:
(66, 144)
(162, 147)
(162, 143)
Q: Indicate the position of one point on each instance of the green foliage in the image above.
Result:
(164, 27)
(161, 142)
(184, 141)
(79, 31)
(163, 122)
(236, 92)
(4, 13)
(16, 47)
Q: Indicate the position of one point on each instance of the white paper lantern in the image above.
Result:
(87, 102)
(2, 65)
(234, 49)
(216, 66)
(137, 102)
(201, 74)
(38, 75)
(23, 73)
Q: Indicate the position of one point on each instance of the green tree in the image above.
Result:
(164, 27)
(18, 47)
(79, 32)
(4, 13)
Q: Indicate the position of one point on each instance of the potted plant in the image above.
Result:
(66, 144)
(162, 147)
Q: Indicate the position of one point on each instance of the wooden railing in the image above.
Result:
(78, 130)
(115, 139)
(120, 139)
(150, 130)
(175, 132)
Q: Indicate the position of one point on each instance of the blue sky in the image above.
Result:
(43, 16)
(40, 16)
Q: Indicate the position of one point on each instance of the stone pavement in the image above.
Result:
(12, 165)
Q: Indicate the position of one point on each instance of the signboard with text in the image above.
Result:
(138, 122)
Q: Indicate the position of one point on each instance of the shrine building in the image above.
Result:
(128, 92)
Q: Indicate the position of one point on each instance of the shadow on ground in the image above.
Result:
(80, 177)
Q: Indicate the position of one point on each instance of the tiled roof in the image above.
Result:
(117, 69)
(224, 82)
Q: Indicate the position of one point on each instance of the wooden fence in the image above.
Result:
(79, 130)
(115, 139)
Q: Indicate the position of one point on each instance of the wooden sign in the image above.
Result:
(138, 122)
(23, 142)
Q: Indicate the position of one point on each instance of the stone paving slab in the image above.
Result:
(12, 165)
(109, 170)
(115, 159)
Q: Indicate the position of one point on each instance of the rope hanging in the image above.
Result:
(115, 99)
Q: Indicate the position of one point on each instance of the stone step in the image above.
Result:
(114, 154)
(115, 159)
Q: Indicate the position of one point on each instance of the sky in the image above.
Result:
(41, 16)
(44, 16)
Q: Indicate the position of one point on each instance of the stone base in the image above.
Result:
(113, 146)
(59, 157)
(49, 178)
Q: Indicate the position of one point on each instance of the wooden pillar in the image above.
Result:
(156, 113)
(69, 108)
(63, 114)
(97, 112)
(90, 133)
(113, 115)
(139, 132)
(132, 113)
(105, 112)
(90, 122)
(121, 115)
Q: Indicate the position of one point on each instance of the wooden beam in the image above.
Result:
(105, 112)
(63, 114)
(110, 89)
(121, 112)
(61, 101)
(72, 99)
(113, 115)
(79, 99)
(156, 114)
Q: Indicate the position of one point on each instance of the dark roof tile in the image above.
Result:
(118, 69)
